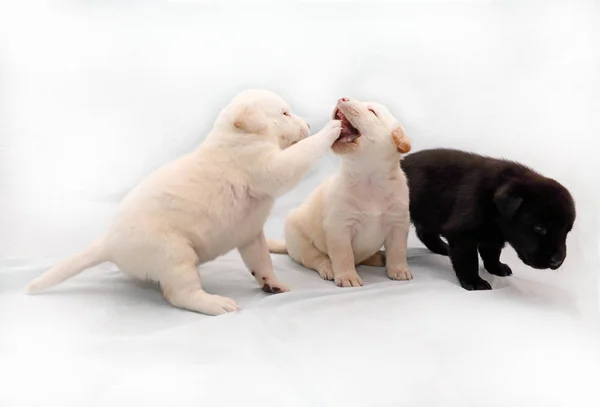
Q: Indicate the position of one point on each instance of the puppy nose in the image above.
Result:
(344, 100)
(556, 260)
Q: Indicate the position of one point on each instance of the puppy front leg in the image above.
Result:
(395, 249)
(491, 261)
(255, 255)
(339, 247)
(286, 168)
(463, 254)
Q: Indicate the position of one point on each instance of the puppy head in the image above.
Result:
(366, 127)
(264, 115)
(536, 214)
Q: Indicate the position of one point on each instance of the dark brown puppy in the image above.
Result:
(479, 204)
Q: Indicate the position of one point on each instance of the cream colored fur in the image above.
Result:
(205, 204)
(362, 207)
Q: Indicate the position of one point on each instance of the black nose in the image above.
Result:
(556, 260)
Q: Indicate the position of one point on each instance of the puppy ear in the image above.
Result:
(401, 140)
(507, 201)
(250, 119)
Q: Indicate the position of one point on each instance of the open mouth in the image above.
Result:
(349, 133)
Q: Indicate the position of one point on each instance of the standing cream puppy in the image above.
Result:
(362, 207)
(207, 203)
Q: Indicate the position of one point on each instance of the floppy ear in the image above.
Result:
(250, 119)
(507, 201)
(401, 140)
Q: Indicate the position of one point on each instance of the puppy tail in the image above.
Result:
(277, 246)
(376, 260)
(93, 255)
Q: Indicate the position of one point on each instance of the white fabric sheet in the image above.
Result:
(103, 339)
(95, 96)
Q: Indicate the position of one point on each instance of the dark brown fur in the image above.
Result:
(478, 204)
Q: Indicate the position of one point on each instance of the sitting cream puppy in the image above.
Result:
(211, 201)
(362, 207)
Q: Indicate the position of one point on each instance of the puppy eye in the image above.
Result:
(373, 111)
(540, 229)
(286, 113)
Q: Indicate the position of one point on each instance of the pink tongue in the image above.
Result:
(348, 133)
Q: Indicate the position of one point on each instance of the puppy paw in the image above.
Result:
(217, 305)
(332, 130)
(326, 272)
(399, 273)
(348, 280)
(476, 285)
(274, 287)
(501, 270)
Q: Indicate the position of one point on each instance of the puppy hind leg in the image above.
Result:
(182, 288)
(376, 260)
(303, 251)
(255, 255)
(432, 241)
(312, 258)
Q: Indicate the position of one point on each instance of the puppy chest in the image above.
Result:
(374, 211)
(368, 233)
(370, 204)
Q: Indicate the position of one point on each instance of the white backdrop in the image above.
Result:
(95, 95)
